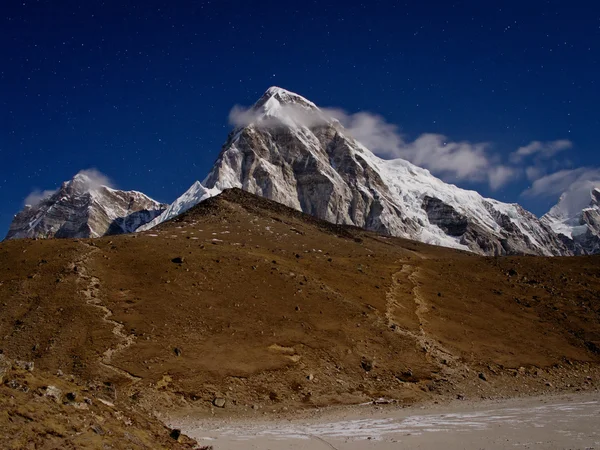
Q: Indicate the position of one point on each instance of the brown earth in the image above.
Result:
(245, 300)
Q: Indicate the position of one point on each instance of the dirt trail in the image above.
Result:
(409, 275)
(91, 293)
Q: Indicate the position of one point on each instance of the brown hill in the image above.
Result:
(246, 301)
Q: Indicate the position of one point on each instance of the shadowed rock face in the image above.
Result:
(78, 210)
(445, 216)
(295, 154)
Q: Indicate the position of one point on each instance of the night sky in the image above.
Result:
(142, 91)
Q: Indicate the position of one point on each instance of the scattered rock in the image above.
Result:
(177, 351)
(5, 366)
(310, 377)
(14, 384)
(366, 364)
(54, 393)
(175, 434)
(97, 429)
(219, 402)
(482, 376)
(24, 365)
(178, 260)
(460, 397)
(548, 384)
(71, 396)
(407, 376)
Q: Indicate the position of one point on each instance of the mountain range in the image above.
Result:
(291, 151)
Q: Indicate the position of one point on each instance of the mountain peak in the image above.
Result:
(84, 207)
(275, 97)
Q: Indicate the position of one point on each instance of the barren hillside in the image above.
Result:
(251, 306)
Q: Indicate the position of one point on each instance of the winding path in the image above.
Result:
(91, 293)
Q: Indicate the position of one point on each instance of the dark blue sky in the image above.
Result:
(142, 90)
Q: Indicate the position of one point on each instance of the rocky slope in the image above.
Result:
(295, 154)
(81, 209)
(576, 218)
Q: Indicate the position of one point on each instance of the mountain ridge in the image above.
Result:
(287, 149)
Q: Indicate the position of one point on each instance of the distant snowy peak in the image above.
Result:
(576, 216)
(194, 195)
(82, 208)
(290, 151)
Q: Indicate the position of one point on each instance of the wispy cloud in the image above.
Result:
(37, 195)
(92, 179)
(240, 116)
(540, 150)
(451, 160)
(558, 182)
(454, 161)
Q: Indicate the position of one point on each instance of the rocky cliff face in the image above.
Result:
(576, 219)
(295, 154)
(80, 209)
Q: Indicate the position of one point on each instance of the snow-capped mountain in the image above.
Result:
(194, 195)
(576, 217)
(82, 209)
(294, 153)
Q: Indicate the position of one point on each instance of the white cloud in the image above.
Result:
(453, 161)
(92, 179)
(564, 180)
(501, 175)
(540, 150)
(37, 195)
(240, 116)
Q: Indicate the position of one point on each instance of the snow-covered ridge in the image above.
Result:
(194, 195)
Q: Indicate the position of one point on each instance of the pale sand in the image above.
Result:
(562, 422)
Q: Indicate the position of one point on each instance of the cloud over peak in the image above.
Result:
(90, 178)
(453, 161)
